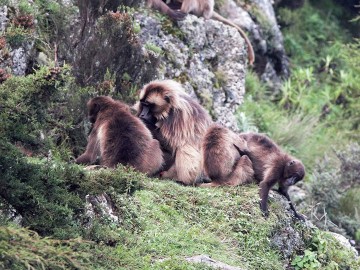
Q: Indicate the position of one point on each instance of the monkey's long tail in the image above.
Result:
(251, 54)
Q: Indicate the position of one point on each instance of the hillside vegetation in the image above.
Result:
(45, 219)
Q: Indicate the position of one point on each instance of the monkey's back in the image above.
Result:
(219, 152)
(129, 142)
(263, 153)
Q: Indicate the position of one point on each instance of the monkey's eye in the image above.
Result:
(144, 103)
(291, 162)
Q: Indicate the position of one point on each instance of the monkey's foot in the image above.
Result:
(177, 15)
(264, 210)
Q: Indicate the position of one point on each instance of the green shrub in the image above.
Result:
(50, 195)
(333, 189)
(323, 251)
(22, 249)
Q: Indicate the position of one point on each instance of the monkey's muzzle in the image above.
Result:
(291, 181)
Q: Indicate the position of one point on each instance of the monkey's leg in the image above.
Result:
(211, 184)
(284, 191)
(170, 173)
(243, 172)
(159, 5)
(265, 186)
(85, 158)
(187, 164)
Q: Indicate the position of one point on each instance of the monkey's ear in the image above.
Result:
(167, 99)
(291, 163)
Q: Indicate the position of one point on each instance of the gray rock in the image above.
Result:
(99, 206)
(21, 57)
(205, 259)
(297, 194)
(286, 239)
(344, 242)
(3, 18)
(271, 62)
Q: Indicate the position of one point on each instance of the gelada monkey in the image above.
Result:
(272, 165)
(181, 122)
(118, 136)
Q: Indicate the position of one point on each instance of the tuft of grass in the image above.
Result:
(24, 249)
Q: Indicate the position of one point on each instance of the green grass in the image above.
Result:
(178, 222)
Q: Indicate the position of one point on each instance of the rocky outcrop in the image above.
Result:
(17, 48)
(259, 20)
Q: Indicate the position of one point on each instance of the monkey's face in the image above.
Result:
(154, 104)
(294, 172)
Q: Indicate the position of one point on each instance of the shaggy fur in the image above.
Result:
(119, 137)
(224, 161)
(272, 165)
(182, 123)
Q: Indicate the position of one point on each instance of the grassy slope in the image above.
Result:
(160, 224)
(178, 221)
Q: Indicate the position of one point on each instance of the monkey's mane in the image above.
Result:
(187, 121)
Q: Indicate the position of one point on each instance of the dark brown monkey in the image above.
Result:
(118, 136)
(169, 158)
(272, 165)
(201, 8)
(182, 123)
(224, 161)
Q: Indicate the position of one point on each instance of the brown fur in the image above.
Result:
(201, 8)
(165, 9)
(224, 161)
(182, 123)
(272, 165)
(118, 136)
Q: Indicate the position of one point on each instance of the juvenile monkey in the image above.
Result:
(200, 8)
(272, 165)
(224, 160)
(180, 121)
(117, 136)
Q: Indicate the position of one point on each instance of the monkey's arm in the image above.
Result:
(283, 190)
(85, 159)
(89, 157)
(265, 186)
(159, 5)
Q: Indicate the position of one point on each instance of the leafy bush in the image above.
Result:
(325, 252)
(334, 190)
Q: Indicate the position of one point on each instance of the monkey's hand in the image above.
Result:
(177, 15)
(265, 212)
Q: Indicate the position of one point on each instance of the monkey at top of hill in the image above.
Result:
(117, 136)
(272, 165)
(223, 158)
(200, 8)
(181, 122)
